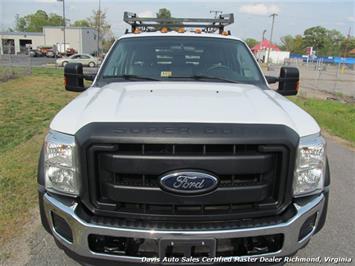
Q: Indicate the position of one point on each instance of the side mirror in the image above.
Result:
(74, 78)
(288, 81)
(271, 79)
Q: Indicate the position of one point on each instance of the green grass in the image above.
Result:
(27, 105)
(335, 117)
(57, 72)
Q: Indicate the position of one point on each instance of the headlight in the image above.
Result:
(61, 163)
(310, 166)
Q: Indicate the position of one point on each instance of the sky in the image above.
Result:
(251, 17)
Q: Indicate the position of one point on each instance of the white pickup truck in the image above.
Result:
(180, 153)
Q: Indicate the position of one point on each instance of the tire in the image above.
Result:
(92, 64)
(64, 63)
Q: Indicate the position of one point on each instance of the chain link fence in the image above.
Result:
(12, 66)
(334, 79)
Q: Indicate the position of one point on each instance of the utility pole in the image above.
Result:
(347, 42)
(272, 31)
(259, 53)
(345, 49)
(262, 39)
(64, 49)
(98, 29)
(264, 31)
(216, 12)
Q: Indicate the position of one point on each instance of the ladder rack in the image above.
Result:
(153, 24)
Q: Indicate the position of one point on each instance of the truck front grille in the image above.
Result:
(123, 172)
(127, 179)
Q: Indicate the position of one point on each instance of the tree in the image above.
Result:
(315, 37)
(346, 46)
(36, 21)
(325, 42)
(81, 23)
(164, 13)
(20, 23)
(251, 42)
(97, 18)
(333, 43)
(293, 44)
(299, 47)
(56, 20)
(287, 43)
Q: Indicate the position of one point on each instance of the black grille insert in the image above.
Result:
(127, 178)
(141, 180)
(185, 149)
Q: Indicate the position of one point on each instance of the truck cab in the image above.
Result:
(179, 152)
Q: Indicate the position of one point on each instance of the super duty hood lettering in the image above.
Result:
(176, 102)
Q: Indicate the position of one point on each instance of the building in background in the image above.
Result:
(19, 42)
(264, 45)
(82, 39)
(261, 50)
(276, 57)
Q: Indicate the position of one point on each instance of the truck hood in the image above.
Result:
(195, 102)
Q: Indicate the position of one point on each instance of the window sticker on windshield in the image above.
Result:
(166, 74)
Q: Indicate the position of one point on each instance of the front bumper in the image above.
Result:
(81, 230)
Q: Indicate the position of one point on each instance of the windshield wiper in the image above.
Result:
(130, 77)
(199, 77)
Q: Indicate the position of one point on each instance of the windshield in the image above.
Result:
(176, 58)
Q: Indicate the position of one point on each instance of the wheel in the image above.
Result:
(91, 64)
(64, 63)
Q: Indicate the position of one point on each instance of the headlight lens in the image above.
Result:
(61, 163)
(310, 166)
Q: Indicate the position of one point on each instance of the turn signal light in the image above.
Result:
(136, 31)
(198, 30)
(181, 30)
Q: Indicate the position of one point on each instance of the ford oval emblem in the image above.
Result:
(188, 182)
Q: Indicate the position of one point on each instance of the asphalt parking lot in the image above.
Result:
(336, 240)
